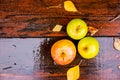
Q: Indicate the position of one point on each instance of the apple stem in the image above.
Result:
(80, 62)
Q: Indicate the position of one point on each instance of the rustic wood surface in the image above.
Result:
(36, 18)
(26, 37)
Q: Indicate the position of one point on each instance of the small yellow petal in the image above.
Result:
(57, 28)
(69, 6)
(73, 73)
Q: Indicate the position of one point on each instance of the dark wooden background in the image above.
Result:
(26, 37)
(29, 18)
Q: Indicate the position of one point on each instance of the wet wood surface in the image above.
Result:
(30, 59)
(26, 38)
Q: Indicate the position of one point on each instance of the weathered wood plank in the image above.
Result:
(30, 18)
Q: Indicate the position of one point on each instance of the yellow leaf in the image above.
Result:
(73, 73)
(69, 6)
(57, 28)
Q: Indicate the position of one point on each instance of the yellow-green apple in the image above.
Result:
(88, 47)
(63, 51)
(77, 29)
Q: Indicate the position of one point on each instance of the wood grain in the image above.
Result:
(29, 18)
(30, 59)
(26, 38)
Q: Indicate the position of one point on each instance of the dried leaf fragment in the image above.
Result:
(69, 6)
(73, 73)
(58, 6)
(92, 30)
(57, 28)
(115, 18)
(117, 43)
(119, 66)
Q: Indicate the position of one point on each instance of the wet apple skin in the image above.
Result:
(88, 47)
(63, 52)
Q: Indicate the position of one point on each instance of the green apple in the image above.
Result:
(88, 47)
(77, 29)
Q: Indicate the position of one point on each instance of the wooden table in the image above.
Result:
(26, 37)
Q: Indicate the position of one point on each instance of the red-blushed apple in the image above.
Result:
(77, 29)
(63, 52)
(88, 47)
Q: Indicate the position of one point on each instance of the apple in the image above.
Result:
(77, 29)
(88, 47)
(63, 51)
